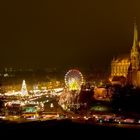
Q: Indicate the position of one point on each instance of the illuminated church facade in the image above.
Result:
(128, 66)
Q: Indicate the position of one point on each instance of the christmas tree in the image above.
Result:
(24, 90)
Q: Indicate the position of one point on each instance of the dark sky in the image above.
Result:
(58, 33)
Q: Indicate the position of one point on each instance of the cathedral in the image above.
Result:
(128, 66)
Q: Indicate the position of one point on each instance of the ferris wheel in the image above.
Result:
(74, 79)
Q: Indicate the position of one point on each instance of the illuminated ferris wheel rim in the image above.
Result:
(77, 72)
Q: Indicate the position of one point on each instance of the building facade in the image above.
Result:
(119, 67)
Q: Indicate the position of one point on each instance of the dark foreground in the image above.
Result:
(64, 128)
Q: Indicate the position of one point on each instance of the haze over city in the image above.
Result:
(65, 33)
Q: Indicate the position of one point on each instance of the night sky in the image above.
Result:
(61, 33)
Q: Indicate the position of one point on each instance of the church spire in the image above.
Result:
(135, 40)
(135, 56)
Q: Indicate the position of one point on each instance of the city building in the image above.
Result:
(128, 66)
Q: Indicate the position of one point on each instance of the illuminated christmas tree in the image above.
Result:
(24, 88)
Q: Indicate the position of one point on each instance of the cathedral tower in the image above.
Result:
(129, 66)
(135, 57)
